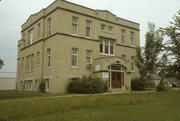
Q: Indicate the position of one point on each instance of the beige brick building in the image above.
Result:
(67, 40)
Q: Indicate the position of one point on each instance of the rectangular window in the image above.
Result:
(27, 63)
(110, 29)
(74, 25)
(132, 38)
(49, 27)
(88, 57)
(48, 58)
(31, 36)
(47, 84)
(22, 64)
(88, 28)
(132, 63)
(23, 41)
(32, 62)
(39, 30)
(123, 36)
(74, 57)
(103, 27)
(107, 47)
(38, 59)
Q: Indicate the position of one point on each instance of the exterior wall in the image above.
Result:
(61, 42)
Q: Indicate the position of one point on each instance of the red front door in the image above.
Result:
(116, 79)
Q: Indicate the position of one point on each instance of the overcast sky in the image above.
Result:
(13, 13)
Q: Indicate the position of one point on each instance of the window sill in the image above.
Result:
(48, 68)
(106, 54)
(74, 68)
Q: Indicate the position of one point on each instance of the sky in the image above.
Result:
(13, 13)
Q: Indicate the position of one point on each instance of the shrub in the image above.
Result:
(160, 87)
(87, 85)
(41, 87)
(138, 84)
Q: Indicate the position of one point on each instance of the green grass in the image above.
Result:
(12, 94)
(162, 106)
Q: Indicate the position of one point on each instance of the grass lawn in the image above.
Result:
(161, 106)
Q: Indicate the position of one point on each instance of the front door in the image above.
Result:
(116, 79)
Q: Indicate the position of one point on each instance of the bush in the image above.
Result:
(160, 87)
(87, 85)
(138, 84)
(41, 87)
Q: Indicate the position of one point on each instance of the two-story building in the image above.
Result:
(67, 40)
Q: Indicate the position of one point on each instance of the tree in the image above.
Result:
(173, 44)
(1, 63)
(153, 47)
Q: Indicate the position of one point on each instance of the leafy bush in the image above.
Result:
(87, 85)
(160, 87)
(42, 86)
(138, 84)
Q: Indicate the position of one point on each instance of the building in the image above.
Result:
(7, 80)
(67, 40)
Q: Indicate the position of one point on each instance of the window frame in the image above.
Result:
(89, 56)
(75, 23)
(49, 31)
(38, 30)
(77, 54)
(132, 38)
(32, 62)
(110, 30)
(132, 63)
(38, 58)
(123, 35)
(31, 36)
(90, 28)
(48, 58)
(105, 27)
(109, 47)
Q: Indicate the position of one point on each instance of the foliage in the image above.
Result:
(138, 84)
(173, 44)
(42, 86)
(153, 48)
(87, 85)
(160, 87)
(1, 63)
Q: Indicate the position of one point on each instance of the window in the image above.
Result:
(103, 27)
(88, 28)
(47, 84)
(48, 58)
(23, 41)
(107, 47)
(74, 57)
(132, 63)
(32, 62)
(27, 63)
(31, 36)
(123, 36)
(132, 38)
(88, 57)
(39, 30)
(38, 59)
(110, 29)
(22, 64)
(49, 26)
(74, 25)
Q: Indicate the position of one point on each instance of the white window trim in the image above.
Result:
(77, 57)
(47, 58)
(111, 28)
(105, 28)
(132, 36)
(76, 24)
(90, 26)
(133, 61)
(89, 56)
(124, 36)
(109, 45)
